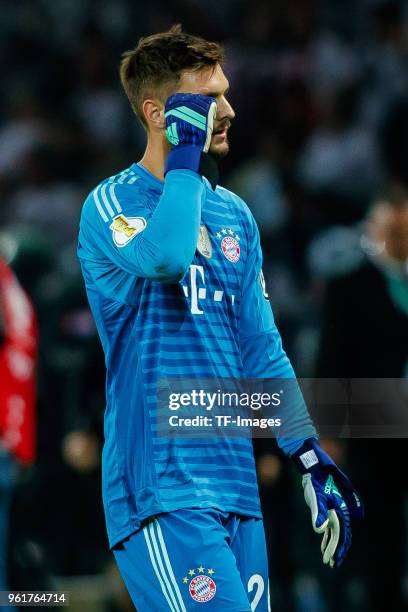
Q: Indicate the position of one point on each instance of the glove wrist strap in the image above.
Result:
(192, 157)
(311, 457)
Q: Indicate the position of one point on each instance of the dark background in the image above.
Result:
(321, 95)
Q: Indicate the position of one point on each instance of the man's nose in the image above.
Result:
(224, 110)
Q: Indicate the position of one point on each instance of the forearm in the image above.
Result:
(264, 357)
(166, 247)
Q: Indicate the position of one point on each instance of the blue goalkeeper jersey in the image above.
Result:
(173, 276)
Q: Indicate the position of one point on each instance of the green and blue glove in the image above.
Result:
(332, 500)
(189, 125)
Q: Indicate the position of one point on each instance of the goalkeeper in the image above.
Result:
(172, 268)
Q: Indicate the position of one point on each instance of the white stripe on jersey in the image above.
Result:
(160, 574)
(106, 201)
(168, 564)
(114, 198)
(128, 177)
(99, 206)
(125, 175)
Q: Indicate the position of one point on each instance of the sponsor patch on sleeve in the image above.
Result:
(125, 228)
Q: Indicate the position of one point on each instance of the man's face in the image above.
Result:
(212, 82)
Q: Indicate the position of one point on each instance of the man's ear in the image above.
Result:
(153, 110)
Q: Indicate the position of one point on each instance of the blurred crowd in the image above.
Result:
(319, 151)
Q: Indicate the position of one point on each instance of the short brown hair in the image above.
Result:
(155, 65)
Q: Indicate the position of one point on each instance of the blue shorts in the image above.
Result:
(196, 560)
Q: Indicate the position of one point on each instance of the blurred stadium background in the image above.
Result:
(321, 94)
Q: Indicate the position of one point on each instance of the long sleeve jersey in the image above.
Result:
(173, 276)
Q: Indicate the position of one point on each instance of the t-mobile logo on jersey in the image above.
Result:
(197, 293)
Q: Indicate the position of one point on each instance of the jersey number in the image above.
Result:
(256, 581)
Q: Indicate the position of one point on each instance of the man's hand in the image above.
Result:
(332, 500)
(189, 126)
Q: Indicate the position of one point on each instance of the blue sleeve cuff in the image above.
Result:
(186, 157)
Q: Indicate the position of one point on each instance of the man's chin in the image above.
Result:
(219, 149)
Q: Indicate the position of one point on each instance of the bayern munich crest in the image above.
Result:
(202, 587)
(230, 244)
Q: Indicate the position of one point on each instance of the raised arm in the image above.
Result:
(156, 244)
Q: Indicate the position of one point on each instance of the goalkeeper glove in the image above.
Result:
(332, 500)
(189, 125)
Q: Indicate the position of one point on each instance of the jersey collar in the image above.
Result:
(141, 170)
